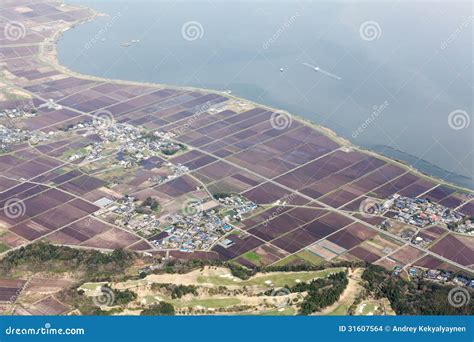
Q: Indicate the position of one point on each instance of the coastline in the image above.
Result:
(48, 55)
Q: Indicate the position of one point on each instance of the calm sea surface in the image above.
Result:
(406, 68)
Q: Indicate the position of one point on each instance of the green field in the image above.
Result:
(207, 303)
(368, 309)
(150, 299)
(310, 257)
(91, 286)
(276, 278)
(204, 302)
(341, 310)
(3, 247)
(252, 257)
(285, 261)
(284, 312)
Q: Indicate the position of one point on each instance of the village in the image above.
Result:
(132, 144)
(18, 112)
(10, 136)
(421, 212)
(176, 171)
(200, 225)
(438, 276)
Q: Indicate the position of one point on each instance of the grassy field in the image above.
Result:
(286, 261)
(276, 279)
(203, 302)
(3, 247)
(91, 286)
(284, 312)
(368, 309)
(310, 257)
(150, 299)
(207, 302)
(341, 310)
(252, 257)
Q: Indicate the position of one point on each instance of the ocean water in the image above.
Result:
(406, 68)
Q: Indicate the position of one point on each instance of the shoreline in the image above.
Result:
(48, 54)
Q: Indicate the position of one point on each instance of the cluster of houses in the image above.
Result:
(132, 143)
(422, 241)
(239, 205)
(95, 151)
(200, 228)
(82, 125)
(193, 232)
(130, 218)
(144, 224)
(176, 171)
(10, 136)
(19, 113)
(465, 226)
(440, 276)
(126, 214)
(421, 212)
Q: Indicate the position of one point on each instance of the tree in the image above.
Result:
(161, 309)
